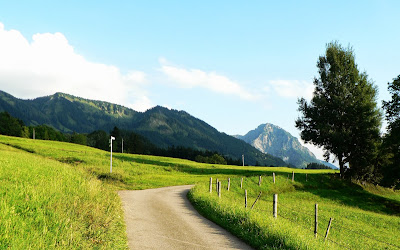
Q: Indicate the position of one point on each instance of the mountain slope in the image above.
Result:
(67, 113)
(274, 140)
(163, 127)
(166, 127)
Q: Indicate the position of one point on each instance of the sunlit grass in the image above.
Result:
(54, 182)
(361, 220)
(46, 204)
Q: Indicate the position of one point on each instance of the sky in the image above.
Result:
(232, 64)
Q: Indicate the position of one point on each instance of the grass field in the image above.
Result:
(47, 204)
(57, 194)
(361, 220)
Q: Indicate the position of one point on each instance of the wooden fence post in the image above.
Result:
(241, 183)
(316, 220)
(219, 189)
(210, 184)
(275, 206)
(256, 200)
(245, 198)
(292, 176)
(259, 181)
(229, 183)
(329, 226)
(273, 177)
(216, 184)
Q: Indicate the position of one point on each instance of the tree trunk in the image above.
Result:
(341, 165)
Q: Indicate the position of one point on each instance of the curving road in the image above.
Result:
(163, 218)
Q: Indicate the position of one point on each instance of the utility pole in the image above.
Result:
(111, 139)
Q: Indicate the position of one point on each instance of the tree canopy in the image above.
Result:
(342, 116)
(12, 126)
(391, 170)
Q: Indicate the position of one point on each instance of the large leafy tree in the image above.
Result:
(391, 171)
(342, 116)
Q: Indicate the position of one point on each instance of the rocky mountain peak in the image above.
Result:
(272, 139)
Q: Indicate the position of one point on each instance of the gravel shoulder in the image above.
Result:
(163, 218)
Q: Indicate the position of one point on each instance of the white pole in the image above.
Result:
(111, 139)
(111, 157)
(122, 145)
(243, 160)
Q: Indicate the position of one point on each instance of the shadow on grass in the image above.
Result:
(111, 178)
(331, 187)
(327, 186)
(209, 170)
(239, 224)
(70, 160)
(19, 147)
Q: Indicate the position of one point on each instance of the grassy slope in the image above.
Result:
(349, 204)
(90, 165)
(47, 204)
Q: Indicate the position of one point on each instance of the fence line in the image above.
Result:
(298, 211)
(338, 226)
(298, 224)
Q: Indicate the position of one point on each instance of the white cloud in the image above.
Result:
(191, 78)
(49, 64)
(293, 88)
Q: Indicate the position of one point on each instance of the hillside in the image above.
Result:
(162, 126)
(271, 139)
(55, 176)
(67, 113)
(47, 204)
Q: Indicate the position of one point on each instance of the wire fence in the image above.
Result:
(301, 218)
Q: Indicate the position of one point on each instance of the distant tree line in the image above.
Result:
(314, 165)
(129, 141)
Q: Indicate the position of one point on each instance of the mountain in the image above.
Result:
(271, 139)
(67, 113)
(161, 126)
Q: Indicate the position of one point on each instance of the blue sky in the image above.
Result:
(233, 64)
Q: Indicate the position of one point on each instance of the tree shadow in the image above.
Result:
(345, 192)
(328, 186)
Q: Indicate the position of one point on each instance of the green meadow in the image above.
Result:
(61, 195)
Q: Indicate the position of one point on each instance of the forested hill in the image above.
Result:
(162, 126)
(67, 113)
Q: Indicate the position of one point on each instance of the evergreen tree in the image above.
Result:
(79, 139)
(342, 116)
(391, 170)
(314, 165)
(117, 144)
(98, 139)
(10, 125)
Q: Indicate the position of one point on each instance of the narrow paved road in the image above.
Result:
(163, 218)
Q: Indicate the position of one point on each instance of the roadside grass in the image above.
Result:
(367, 210)
(361, 220)
(46, 204)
